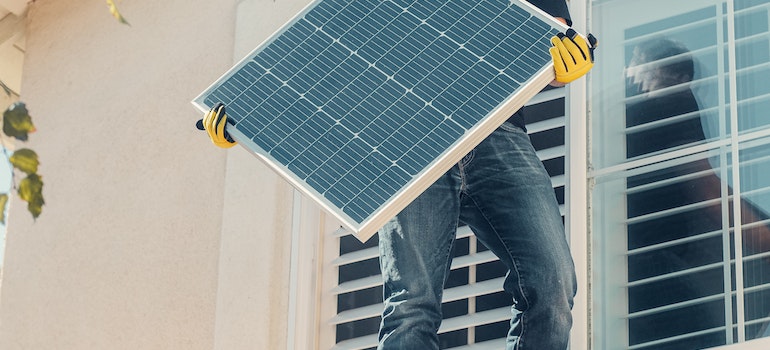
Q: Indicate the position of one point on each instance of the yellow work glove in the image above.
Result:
(572, 56)
(214, 123)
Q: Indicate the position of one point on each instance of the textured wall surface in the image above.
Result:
(151, 238)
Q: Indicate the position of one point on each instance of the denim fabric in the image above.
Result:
(504, 194)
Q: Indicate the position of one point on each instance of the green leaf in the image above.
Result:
(3, 204)
(31, 191)
(115, 13)
(17, 122)
(25, 160)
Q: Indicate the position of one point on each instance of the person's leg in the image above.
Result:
(415, 256)
(510, 204)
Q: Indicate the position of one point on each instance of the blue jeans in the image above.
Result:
(504, 194)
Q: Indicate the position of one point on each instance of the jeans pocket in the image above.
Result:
(511, 127)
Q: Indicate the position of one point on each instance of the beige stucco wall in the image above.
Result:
(151, 238)
(253, 298)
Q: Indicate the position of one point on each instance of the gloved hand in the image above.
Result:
(214, 123)
(572, 56)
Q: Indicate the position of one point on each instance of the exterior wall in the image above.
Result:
(255, 267)
(133, 250)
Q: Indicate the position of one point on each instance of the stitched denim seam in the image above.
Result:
(461, 165)
(519, 278)
(511, 127)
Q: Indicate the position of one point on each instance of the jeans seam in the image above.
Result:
(511, 128)
(447, 266)
(515, 266)
(461, 165)
(468, 157)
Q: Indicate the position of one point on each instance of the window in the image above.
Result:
(681, 153)
(476, 310)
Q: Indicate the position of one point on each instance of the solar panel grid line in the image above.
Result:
(396, 88)
(407, 194)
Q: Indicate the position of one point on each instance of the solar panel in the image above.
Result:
(363, 104)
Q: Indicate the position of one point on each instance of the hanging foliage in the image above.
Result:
(17, 123)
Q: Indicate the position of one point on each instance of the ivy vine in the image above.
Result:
(17, 124)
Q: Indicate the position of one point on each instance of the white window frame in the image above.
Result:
(577, 189)
(311, 256)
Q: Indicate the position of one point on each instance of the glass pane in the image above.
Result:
(673, 270)
(662, 77)
(664, 243)
(752, 59)
(755, 221)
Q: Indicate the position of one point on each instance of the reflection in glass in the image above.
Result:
(658, 78)
(752, 64)
(676, 215)
(681, 157)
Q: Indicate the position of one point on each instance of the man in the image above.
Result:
(501, 190)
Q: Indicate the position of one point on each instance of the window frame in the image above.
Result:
(577, 219)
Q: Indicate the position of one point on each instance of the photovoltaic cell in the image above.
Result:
(363, 104)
